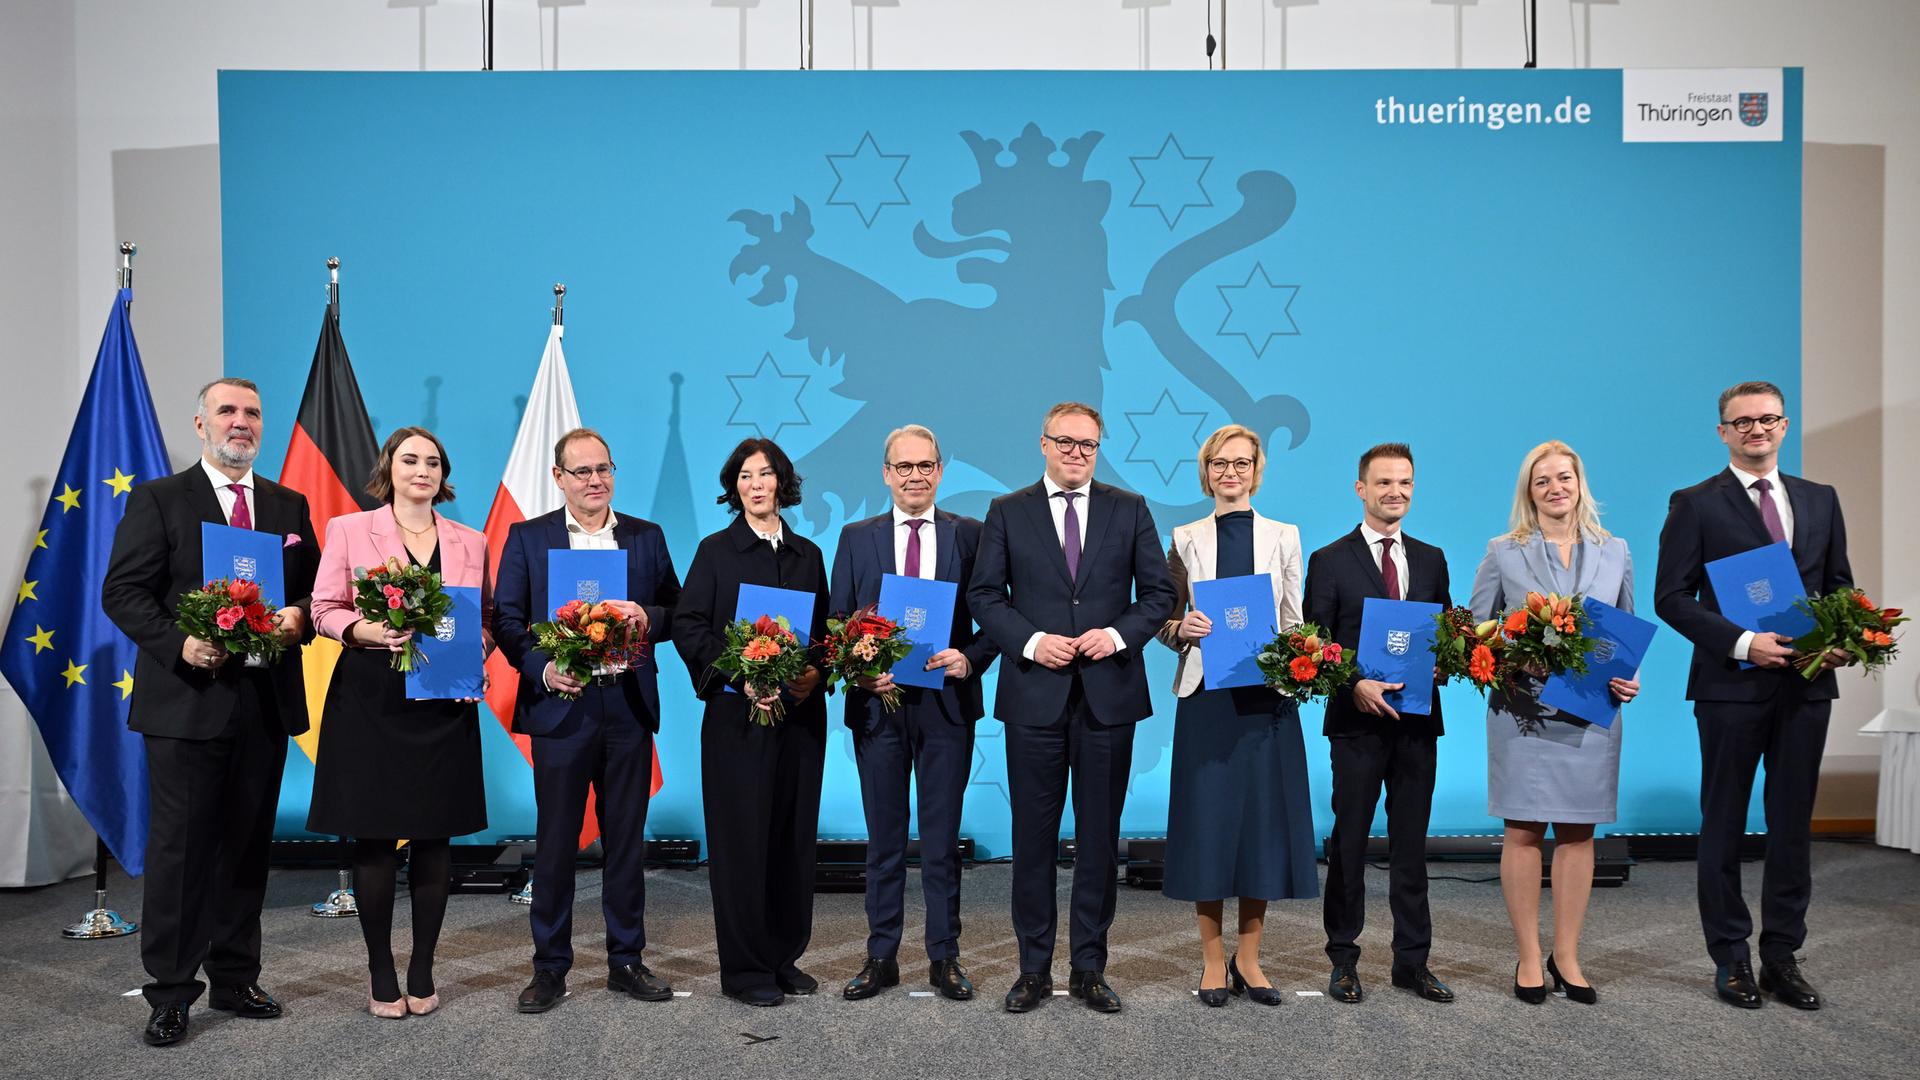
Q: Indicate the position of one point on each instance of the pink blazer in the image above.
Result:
(371, 537)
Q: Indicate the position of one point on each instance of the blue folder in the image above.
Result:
(758, 600)
(1758, 589)
(227, 552)
(924, 609)
(592, 576)
(456, 661)
(1396, 646)
(1619, 644)
(1243, 623)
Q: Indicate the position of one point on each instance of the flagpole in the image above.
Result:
(128, 249)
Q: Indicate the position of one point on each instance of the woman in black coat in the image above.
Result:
(761, 783)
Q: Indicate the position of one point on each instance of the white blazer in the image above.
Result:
(1276, 551)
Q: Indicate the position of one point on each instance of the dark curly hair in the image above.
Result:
(789, 492)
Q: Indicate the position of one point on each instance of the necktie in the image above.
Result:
(1769, 511)
(1070, 533)
(241, 518)
(912, 569)
(1389, 572)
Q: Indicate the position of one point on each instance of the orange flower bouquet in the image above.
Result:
(1846, 619)
(1305, 663)
(1466, 649)
(1546, 635)
(584, 636)
(767, 654)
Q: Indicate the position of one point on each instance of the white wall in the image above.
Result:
(85, 84)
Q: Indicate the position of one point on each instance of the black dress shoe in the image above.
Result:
(796, 982)
(1344, 984)
(167, 1025)
(637, 980)
(249, 1001)
(948, 977)
(1259, 995)
(1092, 990)
(1423, 982)
(1734, 983)
(544, 992)
(1030, 991)
(1784, 981)
(875, 975)
(1532, 995)
(760, 997)
(1585, 995)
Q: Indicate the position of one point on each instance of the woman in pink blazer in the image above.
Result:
(391, 768)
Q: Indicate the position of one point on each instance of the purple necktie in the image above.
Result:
(241, 518)
(913, 547)
(1389, 573)
(1070, 533)
(1769, 512)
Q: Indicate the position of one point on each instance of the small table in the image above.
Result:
(1897, 818)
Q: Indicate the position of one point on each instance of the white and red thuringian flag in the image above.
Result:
(527, 491)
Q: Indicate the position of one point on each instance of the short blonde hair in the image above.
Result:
(1219, 439)
(1525, 520)
(1073, 408)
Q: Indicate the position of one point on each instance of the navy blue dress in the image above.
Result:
(1239, 818)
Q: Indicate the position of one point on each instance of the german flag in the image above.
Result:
(329, 459)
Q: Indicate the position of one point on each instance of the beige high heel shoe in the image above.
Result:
(422, 1006)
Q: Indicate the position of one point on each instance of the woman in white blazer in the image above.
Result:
(1239, 818)
(1545, 766)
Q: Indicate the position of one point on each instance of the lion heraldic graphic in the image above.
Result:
(914, 618)
(1760, 592)
(245, 567)
(1236, 617)
(588, 590)
(1398, 641)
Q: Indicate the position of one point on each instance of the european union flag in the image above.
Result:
(73, 668)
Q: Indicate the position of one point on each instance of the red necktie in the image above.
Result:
(241, 518)
(1388, 572)
(913, 547)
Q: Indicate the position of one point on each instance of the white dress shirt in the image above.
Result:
(224, 492)
(929, 546)
(1058, 508)
(775, 537)
(1778, 493)
(1373, 538)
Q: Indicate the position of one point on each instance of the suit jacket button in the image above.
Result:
(1076, 601)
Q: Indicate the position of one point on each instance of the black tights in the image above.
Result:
(429, 877)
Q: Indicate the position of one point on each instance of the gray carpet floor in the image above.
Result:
(67, 1013)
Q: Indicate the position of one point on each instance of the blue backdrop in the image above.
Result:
(819, 257)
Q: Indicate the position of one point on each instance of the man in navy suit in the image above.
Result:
(1071, 583)
(1750, 714)
(603, 739)
(930, 735)
(1371, 743)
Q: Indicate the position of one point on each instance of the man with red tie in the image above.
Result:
(215, 725)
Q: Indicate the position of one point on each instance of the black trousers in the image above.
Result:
(918, 743)
(1040, 760)
(601, 744)
(1789, 734)
(1362, 764)
(211, 810)
(761, 792)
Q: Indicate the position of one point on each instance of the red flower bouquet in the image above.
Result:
(233, 615)
(767, 654)
(1305, 663)
(866, 645)
(404, 598)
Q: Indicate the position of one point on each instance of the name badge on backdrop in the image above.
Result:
(924, 611)
(245, 555)
(455, 652)
(592, 576)
(1396, 646)
(1620, 642)
(1243, 622)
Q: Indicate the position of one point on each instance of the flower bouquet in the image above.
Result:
(1546, 634)
(766, 653)
(584, 636)
(865, 645)
(233, 615)
(1465, 649)
(1305, 663)
(1846, 619)
(401, 597)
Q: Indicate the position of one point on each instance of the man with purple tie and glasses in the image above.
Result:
(1071, 583)
(1765, 712)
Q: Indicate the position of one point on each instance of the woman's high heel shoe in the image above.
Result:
(1259, 995)
(386, 1010)
(421, 1006)
(1585, 995)
(1213, 996)
(1532, 995)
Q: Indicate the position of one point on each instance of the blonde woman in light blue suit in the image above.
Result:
(1546, 767)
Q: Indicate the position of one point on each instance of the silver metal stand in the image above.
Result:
(102, 921)
(339, 903)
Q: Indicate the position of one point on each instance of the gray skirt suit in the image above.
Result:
(1544, 764)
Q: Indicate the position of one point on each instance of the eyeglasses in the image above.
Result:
(1066, 446)
(1243, 466)
(1744, 424)
(908, 468)
(587, 472)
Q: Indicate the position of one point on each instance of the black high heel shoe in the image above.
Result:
(1532, 995)
(1213, 996)
(1259, 995)
(1585, 995)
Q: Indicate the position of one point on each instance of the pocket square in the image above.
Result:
(293, 540)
